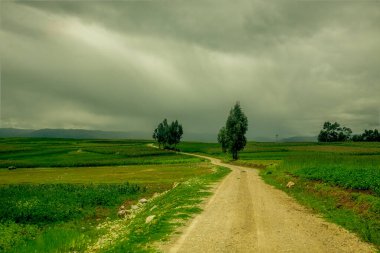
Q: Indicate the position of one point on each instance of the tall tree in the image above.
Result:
(235, 129)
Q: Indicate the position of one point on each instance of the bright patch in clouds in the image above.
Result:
(127, 65)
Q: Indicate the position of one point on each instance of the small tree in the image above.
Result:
(167, 135)
(233, 138)
(332, 132)
(223, 139)
(175, 133)
(160, 133)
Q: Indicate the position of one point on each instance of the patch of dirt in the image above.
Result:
(251, 165)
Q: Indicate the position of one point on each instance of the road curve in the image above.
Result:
(247, 215)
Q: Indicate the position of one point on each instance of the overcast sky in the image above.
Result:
(126, 65)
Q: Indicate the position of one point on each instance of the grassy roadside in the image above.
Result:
(62, 190)
(96, 227)
(61, 217)
(357, 211)
(169, 211)
(58, 210)
(340, 181)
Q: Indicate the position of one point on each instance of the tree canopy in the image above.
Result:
(368, 135)
(232, 135)
(167, 135)
(333, 132)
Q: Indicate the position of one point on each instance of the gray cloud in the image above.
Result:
(126, 65)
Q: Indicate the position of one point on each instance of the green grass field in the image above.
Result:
(339, 180)
(62, 189)
(31, 153)
(152, 175)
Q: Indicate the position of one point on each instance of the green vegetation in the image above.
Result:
(58, 208)
(31, 212)
(29, 153)
(60, 202)
(168, 135)
(62, 190)
(339, 180)
(170, 211)
(367, 135)
(354, 172)
(153, 176)
(232, 136)
(333, 132)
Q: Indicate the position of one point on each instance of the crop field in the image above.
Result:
(339, 180)
(349, 165)
(30, 153)
(61, 190)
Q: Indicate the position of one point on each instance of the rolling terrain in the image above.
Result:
(64, 193)
(67, 194)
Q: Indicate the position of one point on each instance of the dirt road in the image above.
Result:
(247, 215)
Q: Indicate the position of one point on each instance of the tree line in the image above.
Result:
(334, 132)
(231, 136)
(368, 135)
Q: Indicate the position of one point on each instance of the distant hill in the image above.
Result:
(202, 137)
(262, 139)
(13, 132)
(98, 134)
(301, 139)
(68, 133)
(94, 134)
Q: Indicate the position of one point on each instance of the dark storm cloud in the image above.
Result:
(126, 65)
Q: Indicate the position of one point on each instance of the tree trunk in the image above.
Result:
(235, 155)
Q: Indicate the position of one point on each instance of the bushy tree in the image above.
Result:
(344, 134)
(333, 132)
(357, 137)
(222, 139)
(175, 133)
(371, 135)
(160, 134)
(168, 135)
(232, 136)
